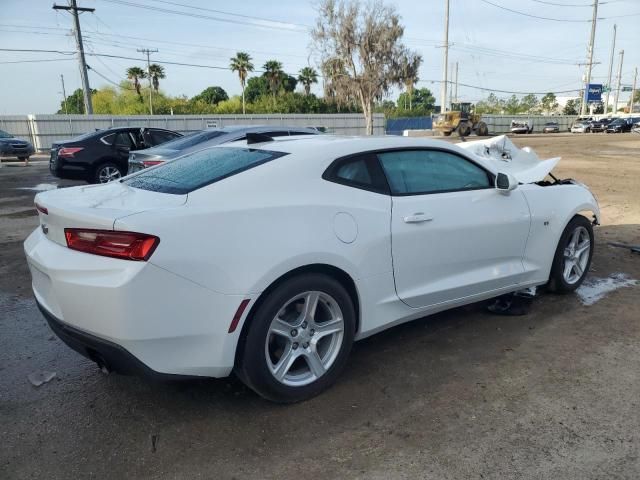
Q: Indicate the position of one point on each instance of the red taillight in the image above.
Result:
(238, 315)
(69, 152)
(151, 163)
(42, 209)
(108, 243)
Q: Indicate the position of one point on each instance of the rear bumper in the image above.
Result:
(121, 309)
(105, 353)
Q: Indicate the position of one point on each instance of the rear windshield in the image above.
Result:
(194, 139)
(198, 169)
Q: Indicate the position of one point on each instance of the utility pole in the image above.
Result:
(633, 90)
(445, 60)
(86, 91)
(583, 107)
(66, 109)
(149, 52)
(64, 95)
(613, 53)
(617, 97)
(456, 90)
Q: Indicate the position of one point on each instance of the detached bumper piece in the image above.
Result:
(107, 355)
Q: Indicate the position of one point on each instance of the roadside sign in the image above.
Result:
(594, 92)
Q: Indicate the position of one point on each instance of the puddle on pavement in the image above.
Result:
(595, 289)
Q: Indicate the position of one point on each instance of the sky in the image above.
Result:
(496, 49)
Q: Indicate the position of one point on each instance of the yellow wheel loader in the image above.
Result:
(460, 119)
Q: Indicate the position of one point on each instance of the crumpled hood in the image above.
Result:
(504, 156)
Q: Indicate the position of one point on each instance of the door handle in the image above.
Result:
(418, 217)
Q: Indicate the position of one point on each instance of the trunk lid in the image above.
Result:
(96, 206)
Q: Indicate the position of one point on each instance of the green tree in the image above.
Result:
(275, 75)
(423, 100)
(241, 63)
(512, 105)
(256, 87)
(75, 102)
(529, 104)
(549, 103)
(211, 95)
(135, 74)
(157, 73)
(307, 77)
(572, 107)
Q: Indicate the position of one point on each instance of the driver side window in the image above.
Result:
(416, 172)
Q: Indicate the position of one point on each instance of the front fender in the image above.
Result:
(552, 208)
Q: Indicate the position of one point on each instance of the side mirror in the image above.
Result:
(505, 182)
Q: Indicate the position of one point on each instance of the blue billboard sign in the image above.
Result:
(594, 92)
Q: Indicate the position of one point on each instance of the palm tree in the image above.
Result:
(307, 76)
(241, 63)
(135, 74)
(274, 74)
(156, 72)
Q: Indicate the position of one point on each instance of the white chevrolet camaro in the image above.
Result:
(269, 258)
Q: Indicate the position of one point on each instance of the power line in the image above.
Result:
(533, 16)
(201, 16)
(500, 91)
(39, 61)
(563, 4)
(109, 80)
(261, 19)
(32, 50)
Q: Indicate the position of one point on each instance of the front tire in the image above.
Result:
(573, 255)
(298, 340)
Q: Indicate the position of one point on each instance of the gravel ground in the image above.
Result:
(463, 394)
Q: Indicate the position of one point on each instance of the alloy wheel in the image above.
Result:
(304, 338)
(108, 174)
(576, 255)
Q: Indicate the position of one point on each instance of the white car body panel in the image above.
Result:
(229, 241)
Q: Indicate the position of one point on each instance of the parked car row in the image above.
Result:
(608, 125)
(106, 155)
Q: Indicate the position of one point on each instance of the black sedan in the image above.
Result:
(102, 156)
(621, 125)
(139, 160)
(11, 146)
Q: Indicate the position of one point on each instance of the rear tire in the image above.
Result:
(289, 353)
(107, 172)
(573, 255)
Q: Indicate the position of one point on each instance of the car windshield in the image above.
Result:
(617, 121)
(550, 124)
(191, 140)
(4, 134)
(198, 169)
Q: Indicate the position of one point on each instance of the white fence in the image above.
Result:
(502, 123)
(43, 130)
